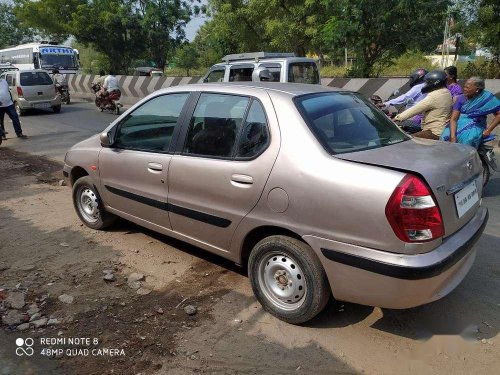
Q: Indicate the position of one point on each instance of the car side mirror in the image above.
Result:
(105, 138)
(205, 80)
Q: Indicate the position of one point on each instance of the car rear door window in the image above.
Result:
(214, 125)
(241, 73)
(35, 79)
(216, 75)
(303, 72)
(274, 69)
(255, 134)
(150, 127)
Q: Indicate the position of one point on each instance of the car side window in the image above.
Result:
(241, 73)
(215, 123)
(10, 79)
(255, 135)
(216, 75)
(150, 127)
(274, 69)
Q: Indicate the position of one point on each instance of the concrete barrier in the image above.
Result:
(135, 88)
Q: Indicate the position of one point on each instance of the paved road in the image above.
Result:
(53, 134)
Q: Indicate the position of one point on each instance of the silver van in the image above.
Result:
(264, 66)
(32, 89)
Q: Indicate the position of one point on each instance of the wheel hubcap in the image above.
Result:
(282, 281)
(88, 205)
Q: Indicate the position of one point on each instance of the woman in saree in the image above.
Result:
(468, 120)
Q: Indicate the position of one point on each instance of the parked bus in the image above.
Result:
(41, 56)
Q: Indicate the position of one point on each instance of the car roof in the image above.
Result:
(32, 70)
(293, 89)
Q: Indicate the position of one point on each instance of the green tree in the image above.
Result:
(186, 57)
(377, 36)
(51, 17)
(12, 32)
(111, 27)
(488, 24)
(163, 22)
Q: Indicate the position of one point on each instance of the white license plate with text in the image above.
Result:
(466, 198)
(42, 105)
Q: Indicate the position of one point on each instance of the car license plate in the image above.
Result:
(42, 105)
(466, 198)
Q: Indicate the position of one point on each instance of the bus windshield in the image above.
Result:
(60, 57)
(60, 61)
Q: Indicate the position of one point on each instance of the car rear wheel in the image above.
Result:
(56, 109)
(288, 279)
(88, 205)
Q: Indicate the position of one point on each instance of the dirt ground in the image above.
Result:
(46, 253)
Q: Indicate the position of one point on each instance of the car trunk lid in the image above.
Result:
(448, 169)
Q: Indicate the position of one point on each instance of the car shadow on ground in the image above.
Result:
(451, 315)
(492, 189)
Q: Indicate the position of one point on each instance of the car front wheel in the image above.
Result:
(288, 279)
(88, 205)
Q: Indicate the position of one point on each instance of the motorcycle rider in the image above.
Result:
(111, 83)
(435, 107)
(412, 96)
(60, 80)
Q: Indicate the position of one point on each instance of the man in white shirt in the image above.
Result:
(7, 106)
(111, 83)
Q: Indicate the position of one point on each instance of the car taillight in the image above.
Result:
(413, 213)
(19, 91)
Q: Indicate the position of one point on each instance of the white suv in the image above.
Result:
(264, 66)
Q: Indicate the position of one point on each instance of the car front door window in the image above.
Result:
(151, 126)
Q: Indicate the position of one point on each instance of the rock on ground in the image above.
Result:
(190, 310)
(66, 298)
(16, 300)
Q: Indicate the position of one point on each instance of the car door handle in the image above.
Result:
(242, 179)
(157, 167)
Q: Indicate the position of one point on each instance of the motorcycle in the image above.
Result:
(109, 101)
(63, 91)
(486, 154)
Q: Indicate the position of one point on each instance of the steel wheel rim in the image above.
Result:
(282, 281)
(88, 204)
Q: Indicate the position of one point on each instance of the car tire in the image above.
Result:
(288, 279)
(56, 109)
(18, 109)
(88, 205)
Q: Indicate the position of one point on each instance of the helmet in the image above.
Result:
(417, 76)
(434, 80)
(262, 74)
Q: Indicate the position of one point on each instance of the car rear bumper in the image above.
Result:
(377, 278)
(39, 104)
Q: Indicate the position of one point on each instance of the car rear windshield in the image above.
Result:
(35, 79)
(345, 122)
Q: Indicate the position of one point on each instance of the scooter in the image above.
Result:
(488, 158)
(108, 102)
(63, 91)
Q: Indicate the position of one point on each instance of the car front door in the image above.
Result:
(226, 153)
(133, 172)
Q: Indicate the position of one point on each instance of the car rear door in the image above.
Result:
(225, 155)
(37, 86)
(133, 172)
